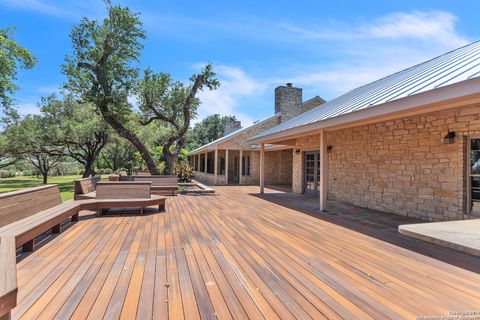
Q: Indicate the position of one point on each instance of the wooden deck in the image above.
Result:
(233, 255)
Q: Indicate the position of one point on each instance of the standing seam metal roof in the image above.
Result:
(452, 67)
(232, 134)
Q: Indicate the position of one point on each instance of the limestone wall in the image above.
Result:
(400, 166)
(205, 178)
(278, 167)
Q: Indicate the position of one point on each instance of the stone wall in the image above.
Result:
(278, 167)
(205, 178)
(239, 141)
(400, 166)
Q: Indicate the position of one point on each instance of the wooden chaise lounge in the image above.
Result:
(26, 214)
(85, 188)
(162, 184)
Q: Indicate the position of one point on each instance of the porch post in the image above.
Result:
(323, 185)
(206, 158)
(241, 167)
(216, 164)
(226, 166)
(262, 168)
(198, 162)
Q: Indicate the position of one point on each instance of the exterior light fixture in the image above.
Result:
(449, 138)
(297, 150)
(329, 149)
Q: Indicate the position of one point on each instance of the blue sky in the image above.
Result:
(327, 48)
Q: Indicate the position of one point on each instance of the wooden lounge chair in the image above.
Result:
(26, 214)
(85, 188)
(164, 184)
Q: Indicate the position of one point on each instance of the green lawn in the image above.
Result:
(64, 182)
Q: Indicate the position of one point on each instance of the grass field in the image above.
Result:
(64, 182)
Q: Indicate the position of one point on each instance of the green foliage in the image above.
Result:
(119, 155)
(183, 171)
(161, 98)
(171, 103)
(6, 159)
(183, 155)
(100, 69)
(209, 129)
(12, 57)
(30, 140)
(77, 129)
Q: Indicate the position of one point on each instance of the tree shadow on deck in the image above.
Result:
(380, 225)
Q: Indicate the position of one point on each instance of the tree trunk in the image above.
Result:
(169, 162)
(133, 138)
(45, 177)
(88, 169)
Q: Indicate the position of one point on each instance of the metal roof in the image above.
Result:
(214, 143)
(452, 67)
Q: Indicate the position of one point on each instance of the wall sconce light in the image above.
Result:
(449, 138)
(297, 150)
(329, 149)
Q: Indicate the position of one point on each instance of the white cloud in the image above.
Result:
(48, 90)
(437, 26)
(39, 6)
(25, 108)
(349, 53)
(236, 87)
(366, 53)
(62, 9)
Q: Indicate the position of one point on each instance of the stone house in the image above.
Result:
(211, 160)
(407, 144)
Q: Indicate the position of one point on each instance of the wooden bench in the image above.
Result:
(165, 184)
(85, 188)
(27, 214)
(132, 194)
(24, 215)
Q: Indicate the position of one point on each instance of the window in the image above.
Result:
(245, 165)
(474, 176)
(202, 163)
(221, 167)
(211, 162)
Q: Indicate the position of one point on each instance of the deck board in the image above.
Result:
(233, 256)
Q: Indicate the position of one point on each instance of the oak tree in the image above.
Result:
(173, 104)
(76, 129)
(12, 57)
(102, 71)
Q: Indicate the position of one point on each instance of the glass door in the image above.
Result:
(474, 177)
(312, 172)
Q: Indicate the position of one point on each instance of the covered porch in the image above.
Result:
(226, 166)
(241, 167)
(309, 167)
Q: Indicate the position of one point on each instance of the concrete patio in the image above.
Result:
(461, 235)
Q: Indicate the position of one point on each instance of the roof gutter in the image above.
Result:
(457, 94)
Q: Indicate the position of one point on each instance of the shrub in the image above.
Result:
(183, 171)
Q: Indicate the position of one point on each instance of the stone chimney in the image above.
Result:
(312, 103)
(231, 126)
(288, 101)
